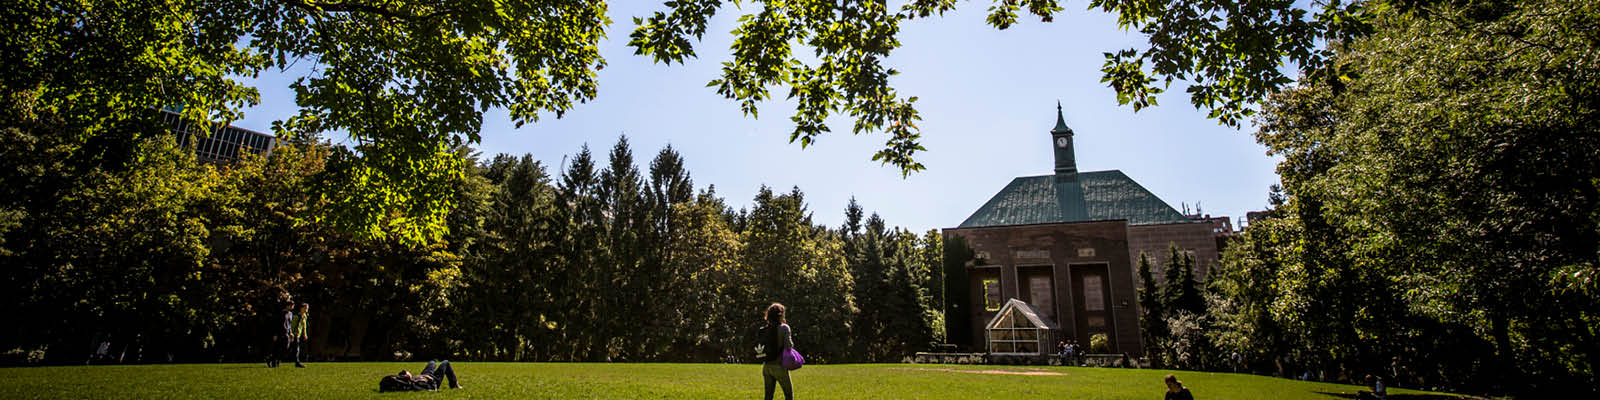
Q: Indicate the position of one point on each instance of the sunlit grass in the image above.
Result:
(642, 381)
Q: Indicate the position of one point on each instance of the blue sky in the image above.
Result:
(987, 99)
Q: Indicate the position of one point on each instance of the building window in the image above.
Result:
(1093, 294)
(1039, 290)
(991, 295)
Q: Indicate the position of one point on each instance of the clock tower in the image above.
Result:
(1061, 139)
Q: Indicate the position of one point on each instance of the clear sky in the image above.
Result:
(987, 99)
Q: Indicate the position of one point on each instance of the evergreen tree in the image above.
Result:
(1172, 278)
(870, 271)
(1188, 296)
(507, 272)
(852, 218)
(957, 254)
(664, 280)
(579, 286)
(624, 285)
(1152, 310)
(932, 263)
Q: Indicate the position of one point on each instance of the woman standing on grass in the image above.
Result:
(775, 339)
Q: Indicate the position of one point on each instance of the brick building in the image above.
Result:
(1066, 245)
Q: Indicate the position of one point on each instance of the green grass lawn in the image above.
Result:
(646, 381)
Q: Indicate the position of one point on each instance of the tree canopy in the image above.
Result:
(1440, 210)
(409, 80)
(1231, 52)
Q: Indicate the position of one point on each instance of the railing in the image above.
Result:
(947, 358)
(1086, 360)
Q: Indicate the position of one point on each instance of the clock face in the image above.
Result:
(1061, 142)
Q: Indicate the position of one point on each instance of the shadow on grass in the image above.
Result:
(1397, 396)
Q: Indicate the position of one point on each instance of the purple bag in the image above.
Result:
(792, 360)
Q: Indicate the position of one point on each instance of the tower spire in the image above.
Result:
(1061, 123)
(1061, 137)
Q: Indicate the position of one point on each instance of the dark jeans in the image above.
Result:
(299, 350)
(282, 348)
(773, 372)
(440, 372)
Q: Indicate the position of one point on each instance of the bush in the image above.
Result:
(1188, 347)
(1098, 344)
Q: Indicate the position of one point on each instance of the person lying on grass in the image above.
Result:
(429, 379)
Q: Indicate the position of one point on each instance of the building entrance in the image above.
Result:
(1093, 300)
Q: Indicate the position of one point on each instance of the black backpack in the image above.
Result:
(768, 336)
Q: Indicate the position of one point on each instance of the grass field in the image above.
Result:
(647, 381)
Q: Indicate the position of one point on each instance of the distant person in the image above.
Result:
(775, 338)
(1061, 352)
(282, 339)
(99, 347)
(1396, 371)
(1176, 390)
(1378, 391)
(429, 379)
(298, 332)
(1072, 354)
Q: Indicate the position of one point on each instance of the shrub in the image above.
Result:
(1099, 344)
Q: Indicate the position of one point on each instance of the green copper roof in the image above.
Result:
(1061, 123)
(1093, 196)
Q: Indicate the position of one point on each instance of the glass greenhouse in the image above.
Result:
(1019, 329)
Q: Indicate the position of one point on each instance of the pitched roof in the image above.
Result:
(1015, 306)
(1093, 196)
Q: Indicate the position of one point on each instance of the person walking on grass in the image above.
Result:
(283, 341)
(297, 331)
(775, 338)
(1176, 390)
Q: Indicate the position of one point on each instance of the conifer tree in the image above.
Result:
(1152, 311)
(1188, 296)
(1172, 274)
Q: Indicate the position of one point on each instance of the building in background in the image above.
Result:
(1252, 217)
(1066, 245)
(217, 143)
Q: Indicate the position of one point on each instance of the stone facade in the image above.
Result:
(1069, 254)
(1154, 239)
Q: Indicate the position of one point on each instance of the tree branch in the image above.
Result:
(364, 9)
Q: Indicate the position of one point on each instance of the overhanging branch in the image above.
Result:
(364, 9)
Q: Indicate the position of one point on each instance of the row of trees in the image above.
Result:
(1439, 218)
(194, 261)
(615, 263)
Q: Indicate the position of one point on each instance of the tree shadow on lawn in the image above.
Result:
(1409, 396)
